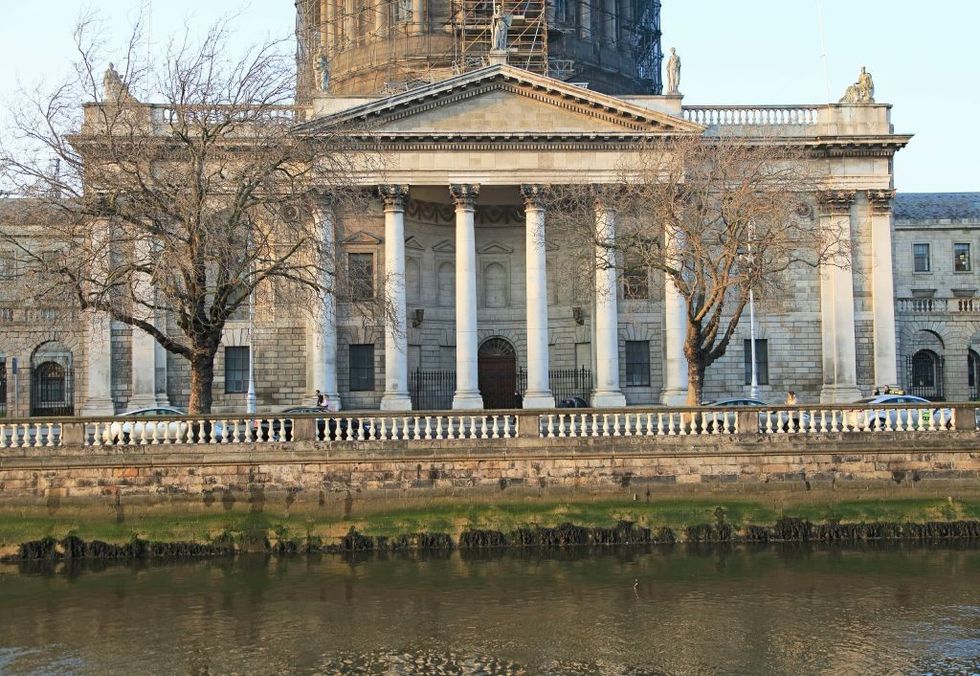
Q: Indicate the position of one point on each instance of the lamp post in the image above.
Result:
(250, 402)
(754, 387)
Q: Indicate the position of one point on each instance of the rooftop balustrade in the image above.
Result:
(396, 429)
(968, 305)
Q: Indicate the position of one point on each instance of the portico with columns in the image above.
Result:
(459, 244)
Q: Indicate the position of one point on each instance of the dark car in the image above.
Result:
(327, 428)
(573, 402)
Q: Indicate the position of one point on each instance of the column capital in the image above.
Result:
(533, 194)
(394, 196)
(880, 200)
(835, 202)
(465, 194)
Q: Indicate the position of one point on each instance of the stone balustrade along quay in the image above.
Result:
(430, 453)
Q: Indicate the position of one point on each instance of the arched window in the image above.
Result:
(495, 286)
(447, 284)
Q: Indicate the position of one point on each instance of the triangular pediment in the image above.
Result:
(412, 243)
(445, 246)
(361, 237)
(500, 102)
(495, 248)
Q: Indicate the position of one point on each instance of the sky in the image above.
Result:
(923, 56)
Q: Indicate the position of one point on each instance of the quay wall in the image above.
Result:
(308, 471)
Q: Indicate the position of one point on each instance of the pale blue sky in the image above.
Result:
(924, 57)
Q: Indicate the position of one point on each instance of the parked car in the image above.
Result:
(871, 418)
(123, 431)
(327, 428)
(573, 402)
(785, 419)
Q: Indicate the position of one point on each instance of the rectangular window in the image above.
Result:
(236, 369)
(360, 271)
(361, 368)
(961, 258)
(3, 387)
(636, 280)
(920, 258)
(761, 361)
(637, 363)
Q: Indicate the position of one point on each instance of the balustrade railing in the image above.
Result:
(756, 116)
(390, 427)
(921, 305)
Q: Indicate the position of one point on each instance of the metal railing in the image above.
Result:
(420, 426)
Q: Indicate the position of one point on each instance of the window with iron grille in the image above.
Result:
(361, 368)
(636, 280)
(761, 361)
(961, 257)
(637, 363)
(360, 271)
(236, 369)
(920, 258)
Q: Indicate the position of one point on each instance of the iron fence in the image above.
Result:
(564, 383)
(432, 390)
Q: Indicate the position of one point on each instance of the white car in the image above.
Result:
(137, 430)
(896, 418)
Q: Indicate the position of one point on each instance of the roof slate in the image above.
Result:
(934, 206)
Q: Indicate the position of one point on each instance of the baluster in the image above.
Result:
(484, 431)
(495, 429)
(438, 427)
(932, 421)
(549, 427)
(3, 436)
(615, 431)
(899, 425)
(26, 436)
(403, 432)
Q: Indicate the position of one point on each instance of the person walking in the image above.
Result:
(791, 398)
(319, 399)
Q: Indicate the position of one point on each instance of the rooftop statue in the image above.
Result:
(114, 88)
(500, 28)
(673, 73)
(862, 91)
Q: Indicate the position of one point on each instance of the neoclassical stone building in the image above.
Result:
(458, 239)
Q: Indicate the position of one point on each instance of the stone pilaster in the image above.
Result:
(675, 384)
(143, 345)
(882, 288)
(467, 384)
(837, 305)
(396, 396)
(538, 394)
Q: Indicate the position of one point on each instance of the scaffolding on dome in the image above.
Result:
(412, 52)
(527, 38)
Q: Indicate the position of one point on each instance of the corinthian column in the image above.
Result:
(837, 306)
(882, 287)
(396, 396)
(538, 393)
(607, 393)
(467, 385)
(324, 318)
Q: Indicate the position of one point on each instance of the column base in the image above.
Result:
(161, 399)
(543, 399)
(608, 399)
(467, 400)
(98, 407)
(396, 401)
(142, 401)
(674, 397)
(839, 394)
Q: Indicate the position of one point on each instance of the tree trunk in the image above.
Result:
(202, 382)
(695, 384)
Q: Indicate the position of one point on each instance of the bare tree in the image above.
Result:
(716, 217)
(191, 206)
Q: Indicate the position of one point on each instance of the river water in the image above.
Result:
(677, 610)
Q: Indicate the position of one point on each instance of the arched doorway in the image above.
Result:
(498, 373)
(973, 374)
(926, 375)
(52, 391)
